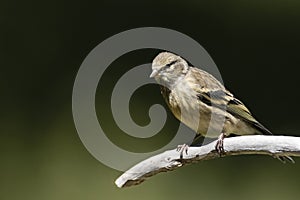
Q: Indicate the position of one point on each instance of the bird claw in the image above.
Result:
(182, 148)
(220, 144)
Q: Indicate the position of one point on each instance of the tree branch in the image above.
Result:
(169, 160)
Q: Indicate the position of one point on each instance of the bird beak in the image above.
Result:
(154, 73)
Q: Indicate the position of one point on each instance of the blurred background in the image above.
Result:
(255, 45)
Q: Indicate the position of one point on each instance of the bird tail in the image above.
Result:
(262, 130)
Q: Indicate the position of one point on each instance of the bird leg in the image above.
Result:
(220, 144)
(182, 148)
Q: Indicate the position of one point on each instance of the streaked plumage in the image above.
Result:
(192, 93)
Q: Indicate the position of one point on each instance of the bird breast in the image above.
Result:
(187, 108)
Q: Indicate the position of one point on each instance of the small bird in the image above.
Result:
(193, 94)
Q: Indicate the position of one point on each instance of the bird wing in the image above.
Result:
(211, 92)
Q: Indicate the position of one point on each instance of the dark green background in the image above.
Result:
(255, 45)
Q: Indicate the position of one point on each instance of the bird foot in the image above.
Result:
(220, 144)
(183, 148)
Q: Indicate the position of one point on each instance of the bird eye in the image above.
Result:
(171, 63)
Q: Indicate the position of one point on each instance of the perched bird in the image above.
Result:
(192, 94)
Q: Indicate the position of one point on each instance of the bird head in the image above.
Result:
(167, 68)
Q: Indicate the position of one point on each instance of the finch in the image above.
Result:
(193, 95)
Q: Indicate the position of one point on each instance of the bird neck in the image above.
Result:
(170, 81)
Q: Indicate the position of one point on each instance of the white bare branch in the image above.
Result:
(275, 146)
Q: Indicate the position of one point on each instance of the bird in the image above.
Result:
(192, 94)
